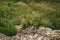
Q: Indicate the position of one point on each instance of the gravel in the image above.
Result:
(32, 33)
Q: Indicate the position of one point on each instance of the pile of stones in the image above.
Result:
(32, 33)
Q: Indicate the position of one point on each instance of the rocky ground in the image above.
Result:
(32, 33)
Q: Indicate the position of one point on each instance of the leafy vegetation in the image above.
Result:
(28, 13)
(9, 31)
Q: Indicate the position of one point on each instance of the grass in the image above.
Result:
(35, 14)
(9, 31)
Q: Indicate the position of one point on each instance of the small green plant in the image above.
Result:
(46, 23)
(9, 31)
(7, 27)
(26, 24)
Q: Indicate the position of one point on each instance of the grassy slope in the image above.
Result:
(38, 14)
(31, 14)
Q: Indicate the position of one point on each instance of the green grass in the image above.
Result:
(9, 31)
(34, 13)
(8, 19)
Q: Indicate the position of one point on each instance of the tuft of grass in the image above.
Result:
(8, 19)
(9, 31)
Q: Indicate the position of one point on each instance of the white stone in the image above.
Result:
(40, 38)
(30, 36)
(36, 35)
(24, 38)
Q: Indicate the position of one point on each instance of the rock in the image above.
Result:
(36, 35)
(19, 27)
(45, 38)
(40, 38)
(44, 31)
